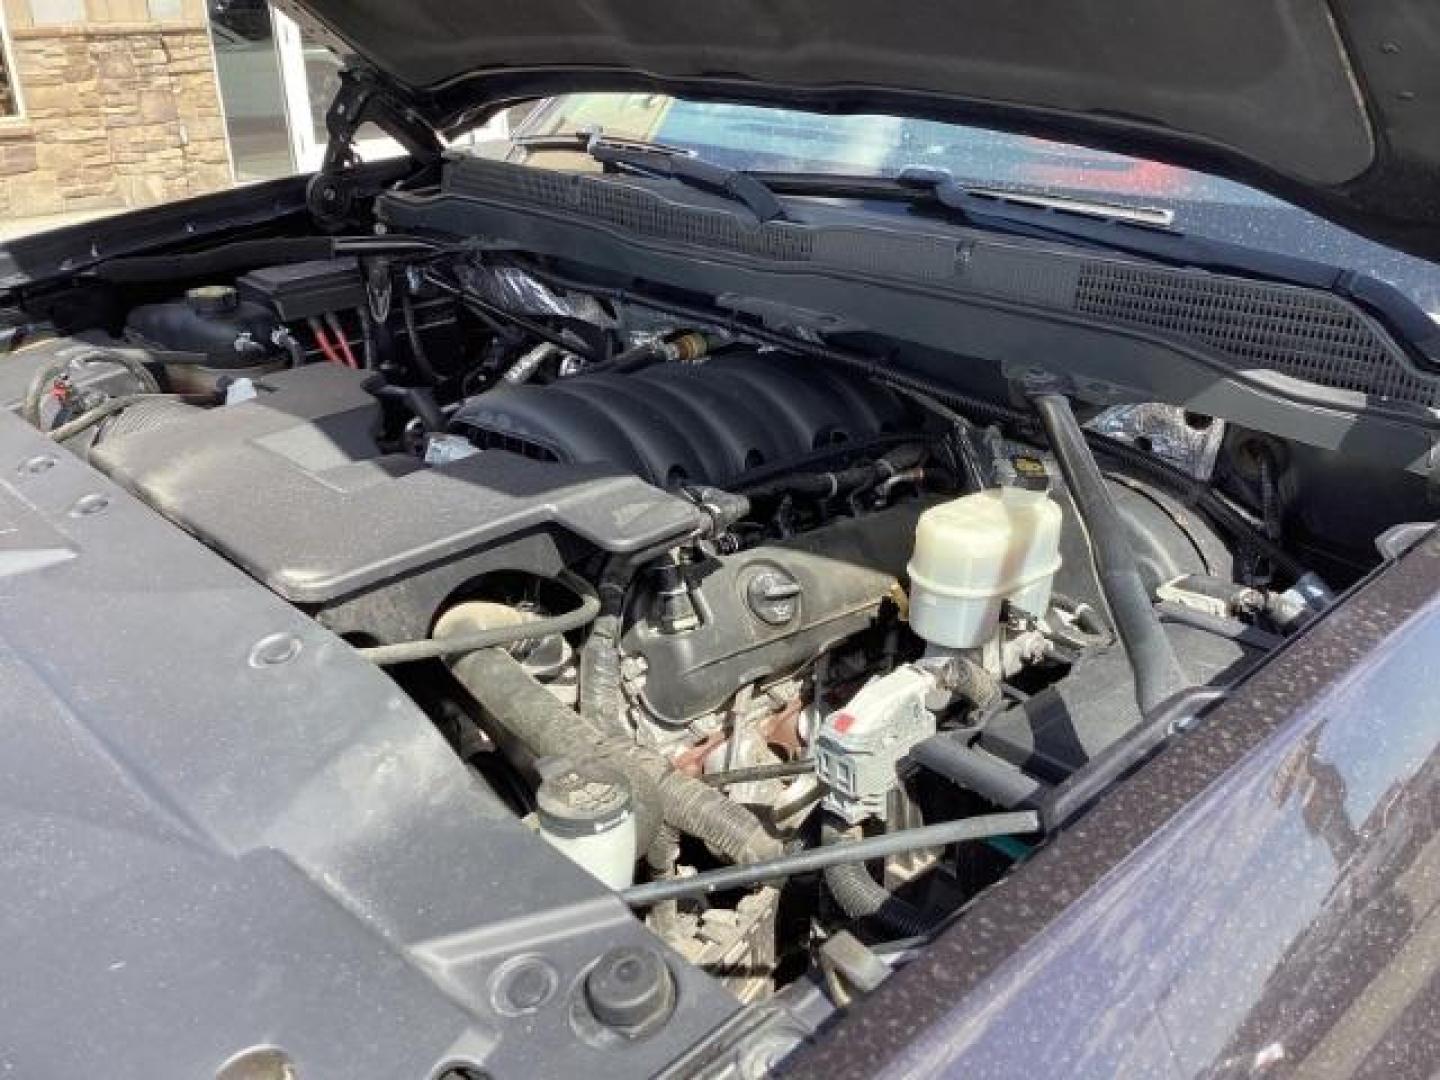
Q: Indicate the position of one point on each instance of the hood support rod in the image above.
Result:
(1157, 670)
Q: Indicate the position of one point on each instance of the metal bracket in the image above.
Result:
(361, 99)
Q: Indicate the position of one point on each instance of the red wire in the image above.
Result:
(324, 343)
(344, 344)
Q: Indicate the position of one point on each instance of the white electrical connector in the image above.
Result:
(860, 747)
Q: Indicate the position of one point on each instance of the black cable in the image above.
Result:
(417, 347)
(405, 652)
(367, 338)
(806, 462)
(812, 859)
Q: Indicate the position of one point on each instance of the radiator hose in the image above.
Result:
(530, 715)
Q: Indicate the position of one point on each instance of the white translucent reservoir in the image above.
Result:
(973, 554)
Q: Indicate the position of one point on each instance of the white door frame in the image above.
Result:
(306, 149)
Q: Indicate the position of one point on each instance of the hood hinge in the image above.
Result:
(364, 98)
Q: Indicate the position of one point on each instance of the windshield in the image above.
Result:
(785, 140)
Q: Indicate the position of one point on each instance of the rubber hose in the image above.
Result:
(860, 896)
(434, 648)
(85, 421)
(1157, 670)
(977, 770)
(1087, 619)
(826, 485)
(600, 698)
(698, 809)
(43, 379)
(534, 717)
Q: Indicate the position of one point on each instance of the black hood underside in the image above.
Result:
(1331, 105)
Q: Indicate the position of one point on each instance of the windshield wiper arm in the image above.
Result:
(921, 187)
(665, 162)
(580, 142)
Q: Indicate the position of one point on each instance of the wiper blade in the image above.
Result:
(580, 142)
(1154, 216)
(986, 207)
(1029, 217)
(638, 157)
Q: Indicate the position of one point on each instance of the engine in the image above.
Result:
(685, 600)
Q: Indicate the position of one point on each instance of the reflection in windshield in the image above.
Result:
(784, 140)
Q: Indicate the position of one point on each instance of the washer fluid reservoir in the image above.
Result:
(973, 554)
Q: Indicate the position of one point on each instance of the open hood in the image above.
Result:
(1332, 104)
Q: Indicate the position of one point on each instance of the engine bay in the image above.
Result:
(795, 648)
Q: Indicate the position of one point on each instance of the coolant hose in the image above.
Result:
(488, 637)
(531, 715)
(860, 896)
(1157, 670)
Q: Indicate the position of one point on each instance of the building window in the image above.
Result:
(57, 12)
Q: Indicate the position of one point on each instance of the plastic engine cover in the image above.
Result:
(672, 424)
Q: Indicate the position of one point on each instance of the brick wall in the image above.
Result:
(118, 115)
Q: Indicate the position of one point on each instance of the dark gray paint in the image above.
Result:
(203, 852)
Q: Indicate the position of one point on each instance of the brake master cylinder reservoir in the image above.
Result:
(975, 553)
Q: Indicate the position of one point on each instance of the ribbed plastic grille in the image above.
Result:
(1303, 333)
(1307, 335)
(631, 208)
(512, 444)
